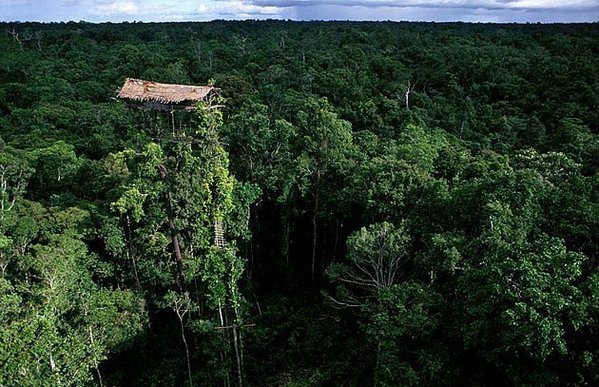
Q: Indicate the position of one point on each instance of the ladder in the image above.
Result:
(219, 234)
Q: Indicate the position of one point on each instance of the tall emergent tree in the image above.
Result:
(181, 213)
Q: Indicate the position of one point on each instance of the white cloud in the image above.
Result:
(117, 7)
(150, 10)
(238, 9)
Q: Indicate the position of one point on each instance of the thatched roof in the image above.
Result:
(152, 94)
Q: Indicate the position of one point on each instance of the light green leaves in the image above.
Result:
(132, 201)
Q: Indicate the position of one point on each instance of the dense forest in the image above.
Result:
(401, 204)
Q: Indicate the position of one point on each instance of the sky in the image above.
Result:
(496, 11)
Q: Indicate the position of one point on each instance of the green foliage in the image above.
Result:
(58, 324)
(55, 167)
(324, 141)
(406, 319)
(444, 176)
(532, 294)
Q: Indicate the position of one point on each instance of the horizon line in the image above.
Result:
(294, 21)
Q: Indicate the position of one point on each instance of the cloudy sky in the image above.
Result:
(202, 10)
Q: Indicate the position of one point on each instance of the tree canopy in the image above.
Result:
(362, 204)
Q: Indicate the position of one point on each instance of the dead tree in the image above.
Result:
(15, 36)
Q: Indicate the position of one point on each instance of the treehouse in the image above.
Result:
(169, 98)
(147, 95)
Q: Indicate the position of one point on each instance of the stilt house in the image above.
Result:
(147, 95)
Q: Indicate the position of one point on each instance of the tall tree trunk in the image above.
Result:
(173, 231)
(241, 350)
(91, 338)
(377, 365)
(238, 344)
(224, 354)
(314, 228)
(130, 250)
(100, 381)
(285, 239)
(237, 356)
(336, 243)
(254, 242)
(175, 242)
(407, 95)
(187, 357)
